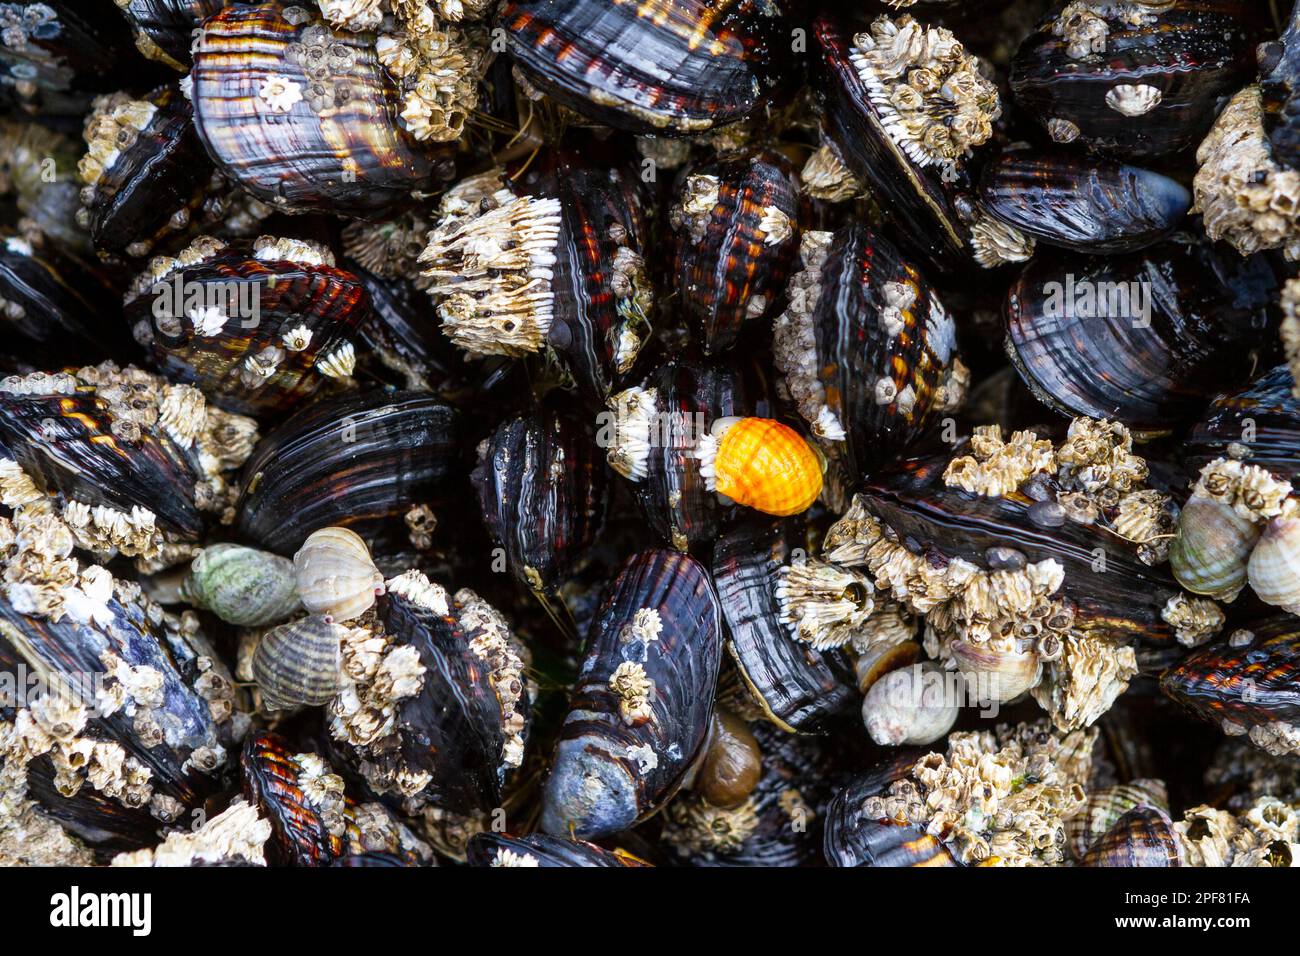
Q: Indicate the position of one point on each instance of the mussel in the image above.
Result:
(735, 238)
(541, 486)
(259, 331)
(667, 67)
(640, 711)
(541, 850)
(363, 462)
(1139, 79)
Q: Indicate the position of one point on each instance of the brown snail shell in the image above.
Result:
(732, 763)
(299, 663)
(1142, 837)
(335, 574)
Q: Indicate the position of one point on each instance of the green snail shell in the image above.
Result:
(299, 663)
(242, 585)
(1209, 554)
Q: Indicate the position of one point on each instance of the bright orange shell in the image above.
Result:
(767, 466)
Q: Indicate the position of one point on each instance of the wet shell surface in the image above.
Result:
(1210, 553)
(541, 850)
(299, 663)
(641, 707)
(1144, 836)
(662, 66)
(335, 575)
(243, 586)
(302, 116)
(1083, 204)
(1274, 566)
(762, 464)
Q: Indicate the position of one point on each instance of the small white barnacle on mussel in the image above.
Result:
(1246, 197)
(242, 585)
(1263, 833)
(824, 176)
(300, 663)
(336, 577)
(490, 267)
(995, 467)
(933, 101)
(235, 836)
(995, 243)
(627, 433)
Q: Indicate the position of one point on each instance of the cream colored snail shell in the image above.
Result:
(1274, 567)
(336, 577)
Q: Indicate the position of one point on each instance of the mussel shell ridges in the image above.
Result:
(541, 850)
(663, 66)
(799, 688)
(1089, 205)
(357, 461)
(613, 767)
(1263, 418)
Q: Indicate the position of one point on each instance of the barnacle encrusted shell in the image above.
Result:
(299, 663)
(626, 744)
(489, 264)
(242, 585)
(932, 100)
(335, 574)
(1000, 797)
(1244, 195)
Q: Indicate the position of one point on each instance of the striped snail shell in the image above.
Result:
(336, 576)
(299, 663)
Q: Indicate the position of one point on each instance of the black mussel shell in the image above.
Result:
(854, 839)
(308, 829)
(735, 239)
(797, 687)
(1144, 836)
(1263, 417)
(930, 203)
(338, 148)
(454, 732)
(156, 179)
(1145, 339)
(1281, 89)
(174, 742)
(58, 51)
(781, 823)
(541, 849)
(67, 444)
(361, 461)
(257, 360)
(1124, 602)
(542, 486)
(402, 332)
(164, 29)
(640, 711)
(688, 398)
(54, 305)
(1252, 684)
(365, 860)
(883, 361)
(664, 67)
(1089, 205)
(1154, 90)
(601, 296)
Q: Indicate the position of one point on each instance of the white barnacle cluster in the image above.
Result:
(1252, 492)
(378, 674)
(489, 268)
(1267, 833)
(633, 413)
(928, 92)
(282, 249)
(1245, 196)
(236, 835)
(635, 692)
(27, 836)
(113, 126)
(824, 605)
(996, 797)
(695, 210)
(490, 641)
(323, 791)
(994, 467)
(824, 176)
(794, 342)
(996, 244)
(388, 249)
(694, 827)
(1290, 331)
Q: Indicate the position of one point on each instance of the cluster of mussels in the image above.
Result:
(671, 432)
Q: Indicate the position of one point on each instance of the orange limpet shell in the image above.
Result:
(767, 466)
